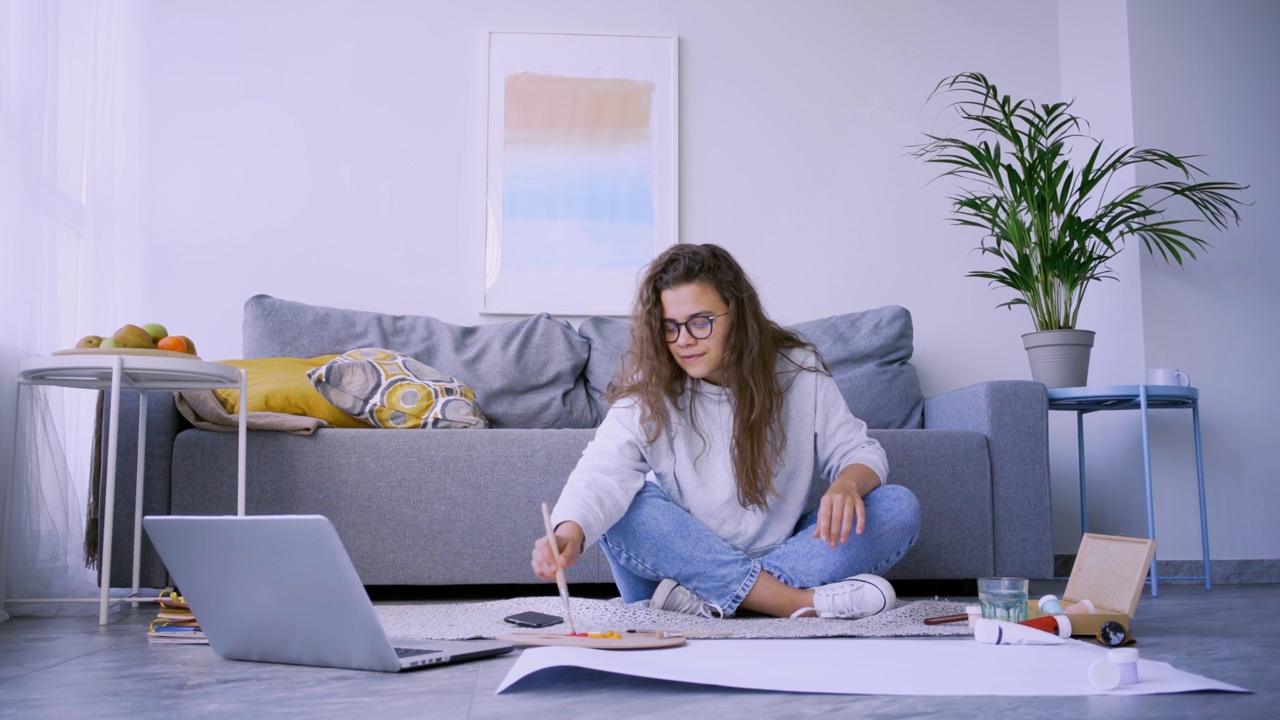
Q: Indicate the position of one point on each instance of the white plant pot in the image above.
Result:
(1059, 358)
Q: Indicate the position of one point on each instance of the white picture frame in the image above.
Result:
(582, 168)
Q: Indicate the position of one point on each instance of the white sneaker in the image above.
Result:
(852, 598)
(674, 597)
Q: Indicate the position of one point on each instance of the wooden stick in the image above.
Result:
(560, 581)
(945, 619)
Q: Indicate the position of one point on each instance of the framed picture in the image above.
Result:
(582, 169)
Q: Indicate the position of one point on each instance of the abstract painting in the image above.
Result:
(582, 169)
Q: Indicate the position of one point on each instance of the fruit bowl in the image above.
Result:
(127, 351)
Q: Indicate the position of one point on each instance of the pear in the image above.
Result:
(156, 331)
(89, 341)
(108, 343)
(132, 336)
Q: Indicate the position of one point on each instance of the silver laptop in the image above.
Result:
(282, 589)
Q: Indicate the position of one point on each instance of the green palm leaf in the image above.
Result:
(1052, 226)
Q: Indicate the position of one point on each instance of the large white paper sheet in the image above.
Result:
(871, 667)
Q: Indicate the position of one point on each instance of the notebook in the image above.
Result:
(282, 589)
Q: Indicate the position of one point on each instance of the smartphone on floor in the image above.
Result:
(533, 619)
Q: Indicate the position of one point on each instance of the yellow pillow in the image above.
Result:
(280, 385)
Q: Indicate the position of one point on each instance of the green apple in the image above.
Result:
(156, 331)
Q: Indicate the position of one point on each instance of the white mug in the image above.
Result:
(1168, 376)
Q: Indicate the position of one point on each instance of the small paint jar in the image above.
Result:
(974, 612)
(1104, 675)
(1049, 604)
(1084, 607)
(1126, 660)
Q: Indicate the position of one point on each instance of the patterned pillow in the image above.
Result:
(388, 389)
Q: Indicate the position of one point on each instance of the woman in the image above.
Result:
(730, 418)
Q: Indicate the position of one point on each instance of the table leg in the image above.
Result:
(109, 493)
(1204, 518)
(1146, 471)
(1084, 503)
(240, 461)
(7, 498)
(137, 492)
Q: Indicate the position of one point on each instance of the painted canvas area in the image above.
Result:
(578, 170)
(582, 169)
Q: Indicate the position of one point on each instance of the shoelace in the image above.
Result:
(842, 594)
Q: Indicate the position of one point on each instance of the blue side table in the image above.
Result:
(1084, 400)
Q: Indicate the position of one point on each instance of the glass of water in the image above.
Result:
(1003, 598)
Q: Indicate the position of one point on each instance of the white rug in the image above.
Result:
(462, 621)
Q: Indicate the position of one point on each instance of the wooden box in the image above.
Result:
(1110, 572)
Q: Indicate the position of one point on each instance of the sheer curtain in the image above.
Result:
(72, 263)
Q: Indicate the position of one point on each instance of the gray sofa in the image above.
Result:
(461, 507)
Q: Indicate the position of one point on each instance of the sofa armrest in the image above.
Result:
(1013, 415)
(163, 425)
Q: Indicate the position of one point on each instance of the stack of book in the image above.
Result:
(174, 623)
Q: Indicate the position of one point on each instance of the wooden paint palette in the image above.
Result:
(628, 641)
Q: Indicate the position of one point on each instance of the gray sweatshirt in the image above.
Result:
(696, 470)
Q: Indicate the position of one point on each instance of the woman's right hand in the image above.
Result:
(569, 536)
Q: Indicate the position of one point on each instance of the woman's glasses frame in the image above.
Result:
(699, 327)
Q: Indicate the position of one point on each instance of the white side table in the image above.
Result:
(141, 370)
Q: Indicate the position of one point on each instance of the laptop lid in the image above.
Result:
(281, 588)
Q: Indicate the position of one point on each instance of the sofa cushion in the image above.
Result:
(525, 374)
(868, 353)
(609, 338)
(280, 385)
(391, 390)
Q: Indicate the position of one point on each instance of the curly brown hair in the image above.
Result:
(752, 348)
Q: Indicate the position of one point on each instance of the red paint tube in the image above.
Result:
(1059, 625)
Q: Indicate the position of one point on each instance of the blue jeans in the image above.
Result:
(656, 539)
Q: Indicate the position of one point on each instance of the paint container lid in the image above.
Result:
(1123, 655)
(1084, 607)
(1064, 625)
(1104, 674)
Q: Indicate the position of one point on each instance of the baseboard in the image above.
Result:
(1226, 572)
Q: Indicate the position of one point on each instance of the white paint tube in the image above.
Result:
(999, 632)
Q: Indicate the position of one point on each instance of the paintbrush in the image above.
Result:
(560, 581)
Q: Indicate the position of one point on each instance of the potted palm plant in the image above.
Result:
(1051, 219)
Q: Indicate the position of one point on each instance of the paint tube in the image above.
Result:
(1057, 624)
(999, 632)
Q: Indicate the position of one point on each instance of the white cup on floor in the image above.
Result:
(1168, 376)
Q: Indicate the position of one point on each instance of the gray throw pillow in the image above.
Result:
(868, 353)
(525, 373)
(610, 338)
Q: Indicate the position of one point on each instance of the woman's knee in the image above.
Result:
(896, 506)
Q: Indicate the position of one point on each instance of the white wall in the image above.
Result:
(1205, 83)
(291, 144)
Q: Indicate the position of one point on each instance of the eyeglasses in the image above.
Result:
(699, 327)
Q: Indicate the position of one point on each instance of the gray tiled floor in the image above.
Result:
(74, 668)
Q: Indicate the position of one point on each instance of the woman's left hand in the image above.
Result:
(841, 510)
